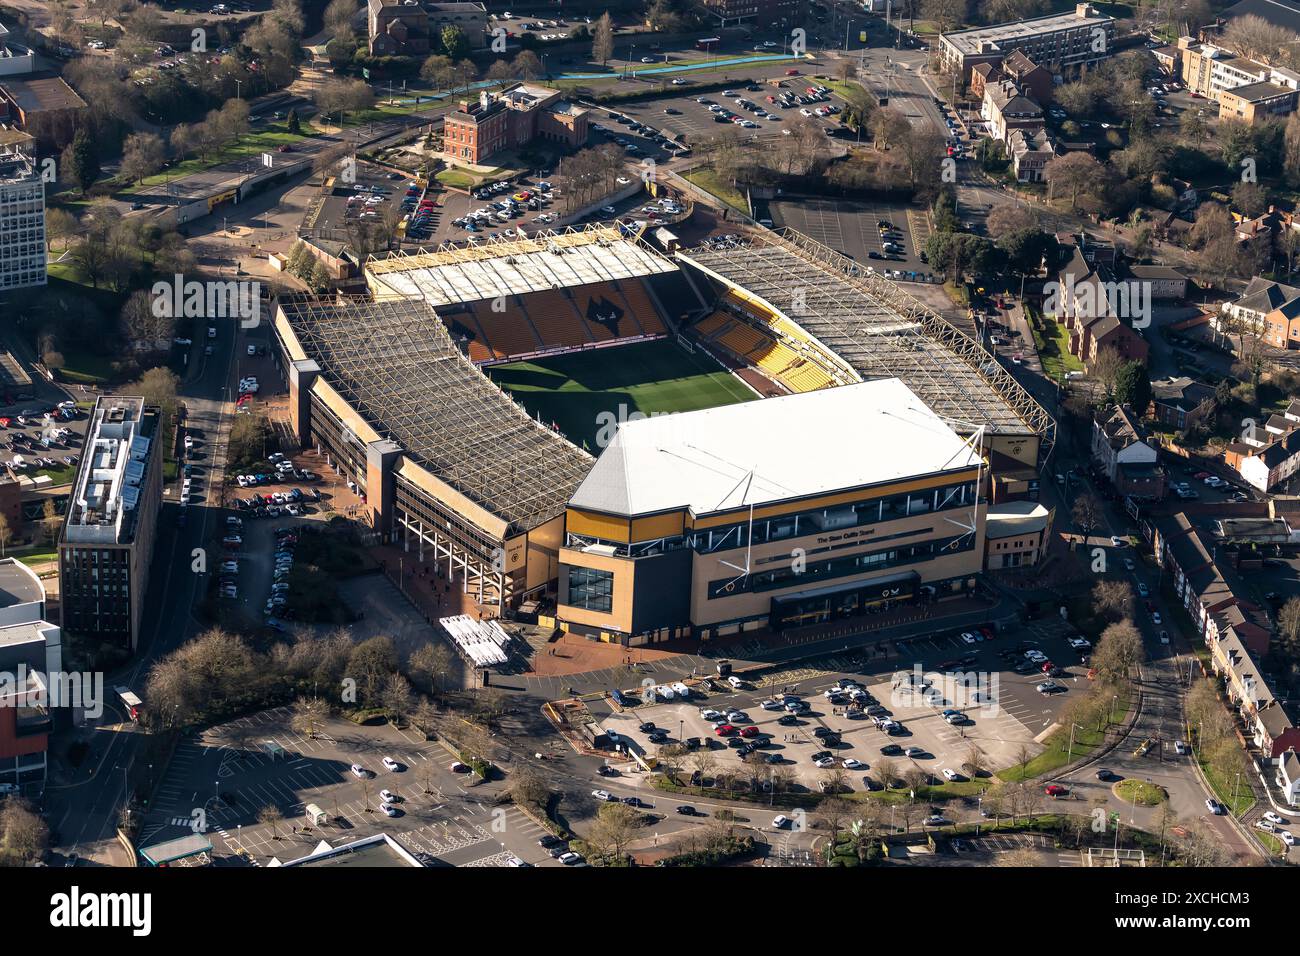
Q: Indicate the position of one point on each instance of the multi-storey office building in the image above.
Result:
(108, 533)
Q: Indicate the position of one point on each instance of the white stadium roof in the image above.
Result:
(546, 261)
(791, 447)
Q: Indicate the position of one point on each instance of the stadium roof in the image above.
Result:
(753, 453)
(880, 330)
(548, 260)
(396, 365)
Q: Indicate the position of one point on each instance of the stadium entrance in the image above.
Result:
(855, 599)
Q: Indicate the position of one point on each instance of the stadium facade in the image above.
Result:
(796, 510)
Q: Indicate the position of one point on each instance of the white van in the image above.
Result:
(735, 682)
(316, 816)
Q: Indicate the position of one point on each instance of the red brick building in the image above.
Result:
(512, 118)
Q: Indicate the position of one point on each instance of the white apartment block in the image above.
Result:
(22, 222)
(1061, 42)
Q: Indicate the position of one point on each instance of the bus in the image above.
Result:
(130, 701)
(708, 44)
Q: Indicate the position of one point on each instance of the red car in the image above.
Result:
(749, 732)
(791, 72)
(1201, 475)
(1048, 667)
(1056, 790)
(726, 730)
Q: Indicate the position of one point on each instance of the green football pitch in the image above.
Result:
(574, 390)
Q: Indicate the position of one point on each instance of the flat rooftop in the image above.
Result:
(755, 453)
(969, 42)
(114, 465)
(36, 93)
(457, 274)
(19, 584)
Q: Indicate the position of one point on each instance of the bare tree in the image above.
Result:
(309, 715)
(271, 816)
(602, 44)
(615, 828)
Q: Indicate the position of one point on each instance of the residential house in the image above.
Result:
(1006, 108)
(1098, 310)
(1122, 453)
(1181, 403)
(1268, 467)
(1281, 327)
(1248, 310)
(981, 76)
(1030, 154)
(1036, 81)
(1287, 778)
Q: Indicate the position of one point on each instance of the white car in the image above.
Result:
(771, 705)
(707, 714)
(359, 771)
(1286, 837)
(1272, 817)
(852, 763)
(608, 210)
(780, 821)
(824, 762)
(968, 637)
(389, 809)
(679, 82)
(1078, 643)
(604, 795)
(391, 764)
(388, 796)
(950, 774)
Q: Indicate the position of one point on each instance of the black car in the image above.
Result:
(647, 727)
(549, 841)
(658, 737)
(1105, 775)
(692, 743)
(787, 720)
(891, 750)
(635, 802)
(606, 771)
(687, 810)
(871, 784)
(823, 732)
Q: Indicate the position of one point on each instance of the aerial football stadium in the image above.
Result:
(741, 436)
